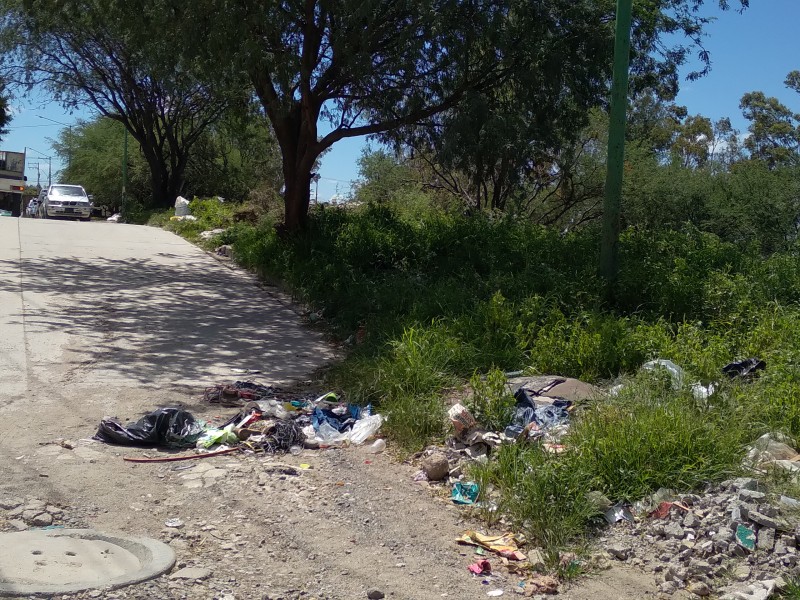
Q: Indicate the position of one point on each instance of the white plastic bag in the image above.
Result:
(364, 428)
(181, 207)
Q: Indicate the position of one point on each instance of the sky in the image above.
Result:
(750, 51)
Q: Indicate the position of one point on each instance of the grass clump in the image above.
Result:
(491, 403)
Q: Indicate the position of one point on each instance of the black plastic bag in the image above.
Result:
(164, 427)
(747, 368)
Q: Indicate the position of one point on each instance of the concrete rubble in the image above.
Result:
(733, 542)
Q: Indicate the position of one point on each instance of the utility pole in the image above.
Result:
(38, 174)
(125, 176)
(609, 266)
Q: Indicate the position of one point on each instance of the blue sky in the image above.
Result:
(750, 51)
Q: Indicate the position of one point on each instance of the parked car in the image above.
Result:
(33, 208)
(63, 200)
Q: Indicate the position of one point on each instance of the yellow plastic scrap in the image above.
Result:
(505, 545)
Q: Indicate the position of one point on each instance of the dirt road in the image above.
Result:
(104, 319)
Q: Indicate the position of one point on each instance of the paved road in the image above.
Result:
(121, 305)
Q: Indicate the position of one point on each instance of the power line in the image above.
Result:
(27, 126)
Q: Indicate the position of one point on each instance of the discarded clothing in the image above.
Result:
(340, 422)
(504, 545)
(172, 427)
(746, 369)
(465, 493)
(544, 416)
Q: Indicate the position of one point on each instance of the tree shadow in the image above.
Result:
(168, 318)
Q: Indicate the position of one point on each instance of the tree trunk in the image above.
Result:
(165, 184)
(296, 195)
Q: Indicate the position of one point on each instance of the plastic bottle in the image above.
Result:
(295, 450)
(377, 447)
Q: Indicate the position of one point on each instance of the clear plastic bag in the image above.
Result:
(364, 428)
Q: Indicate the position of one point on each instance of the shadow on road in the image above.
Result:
(166, 318)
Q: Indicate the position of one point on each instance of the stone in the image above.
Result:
(700, 567)
(668, 587)
(751, 495)
(375, 595)
(43, 520)
(536, 559)
(10, 503)
(766, 521)
(765, 539)
(619, 551)
(18, 524)
(743, 483)
(741, 573)
(691, 520)
(436, 467)
(191, 573)
(29, 514)
(699, 588)
(35, 504)
(737, 515)
(674, 531)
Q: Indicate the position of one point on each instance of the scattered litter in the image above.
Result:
(207, 235)
(746, 369)
(461, 419)
(377, 447)
(542, 584)
(465, 493)
(618, 512)
(746, 537)
(174, 523)
(772, 450)
(482, 567)
(504, 545)
(420, 476)
(664, 508)
(305, 466)
(159, 459)
(181, 207)
(494, 593)
(114, 218)
(170, 427)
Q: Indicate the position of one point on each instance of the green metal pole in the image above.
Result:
(125, 178)
(616, 145)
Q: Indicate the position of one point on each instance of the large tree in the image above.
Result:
(774, 127)
(119, 58)
(325, 70)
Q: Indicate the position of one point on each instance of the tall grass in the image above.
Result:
(444, 298)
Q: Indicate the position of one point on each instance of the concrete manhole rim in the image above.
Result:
(156, 558)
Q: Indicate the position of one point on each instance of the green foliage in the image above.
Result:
(546, 497)
(5, 116)
(210, 213)
(491, 403)
(93, 152)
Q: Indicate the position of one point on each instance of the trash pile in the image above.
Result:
(263, 423)
(733, 541)
(182, 212)
(544, 405)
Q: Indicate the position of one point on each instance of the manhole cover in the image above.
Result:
(61, 561)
